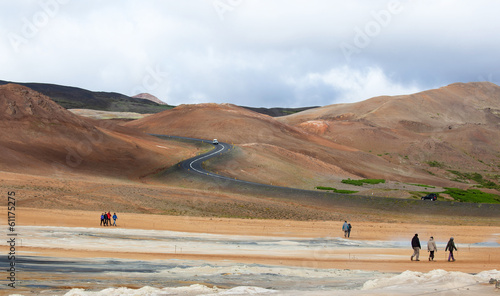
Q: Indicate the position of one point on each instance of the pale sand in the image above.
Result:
(469, 260)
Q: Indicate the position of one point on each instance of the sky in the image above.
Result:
(258, 53)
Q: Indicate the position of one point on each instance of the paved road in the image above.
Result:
(194, 164)
(328, 199)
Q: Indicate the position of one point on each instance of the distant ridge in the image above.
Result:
(150, 97)
(277, 111)
(78, 98)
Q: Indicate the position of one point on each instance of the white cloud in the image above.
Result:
(353, 85)
(253, 54)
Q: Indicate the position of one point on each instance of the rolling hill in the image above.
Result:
(453, 128)
(434, 137)
(272, 152)
(144, 103)
(78, 98)
(40, 137)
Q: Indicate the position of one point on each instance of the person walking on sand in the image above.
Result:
(450, 247)
(415, 244)
(105, 219)
(349, 231)
(102, 219)
(345, 228)
(114, 219)
(431, 247)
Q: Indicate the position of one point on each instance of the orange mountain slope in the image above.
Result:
(457, 125)
(270, 151)
(40, 137)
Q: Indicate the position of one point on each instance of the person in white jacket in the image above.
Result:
(431, 247)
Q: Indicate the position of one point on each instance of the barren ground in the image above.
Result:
(468, 259)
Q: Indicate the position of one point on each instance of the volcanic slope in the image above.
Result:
(40, 137)
(269, 151)
(456, 127)
(77, 98)
(150, 97)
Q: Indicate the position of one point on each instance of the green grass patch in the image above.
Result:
(435, 164)
(336, 190)
(476, 177)
(363, 181)
(472, 195)
(496, 177)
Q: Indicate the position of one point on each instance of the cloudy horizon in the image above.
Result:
(256, 53)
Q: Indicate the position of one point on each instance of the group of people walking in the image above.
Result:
(415, 244)
(106, 219)
(431, 248)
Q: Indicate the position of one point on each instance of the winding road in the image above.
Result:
(315, 198)
(194, 164)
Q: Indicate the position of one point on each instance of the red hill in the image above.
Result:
(457, 125)
(41, 137)
(269, 151)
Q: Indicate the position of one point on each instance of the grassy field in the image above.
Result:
(336, 190)
(472, 196)
(363, 181)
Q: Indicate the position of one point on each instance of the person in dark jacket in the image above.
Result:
(450, 247)
(415, 244)
(105, 219)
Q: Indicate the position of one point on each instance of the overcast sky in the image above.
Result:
(286, 53)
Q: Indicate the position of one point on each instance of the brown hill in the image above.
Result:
(65, 150)
(270, 151)
(228, 123)
(74, 97)
(40, 137)
(457, 126)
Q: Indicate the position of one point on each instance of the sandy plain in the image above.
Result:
(469, 259)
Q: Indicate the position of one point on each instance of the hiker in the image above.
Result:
(102, 219)
(431, 248)
(345, 228)
(105, 219)
(114, 219)
(415, 244)
(349, 230)
(449, 247)
(109, 218)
